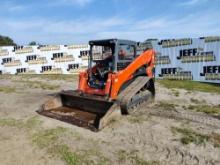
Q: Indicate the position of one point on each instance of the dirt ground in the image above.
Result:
(143, 138)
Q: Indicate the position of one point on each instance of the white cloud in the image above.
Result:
(9, 6)
(192, 2)
(195, 25)
(83, 26)
(83, 29)
(16, 8)
(55, 31)
(80, 3)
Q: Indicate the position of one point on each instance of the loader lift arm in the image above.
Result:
(145, 59)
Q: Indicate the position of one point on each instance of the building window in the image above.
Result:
(57, 55)
(46, 68)
(31, 58)
(162, 60)
(212, 39)
(73, 66)
(84, 53)
(21, 70)
(174, 42)
(17, 48)
(6, 60)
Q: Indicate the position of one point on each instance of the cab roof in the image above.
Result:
(107, 42)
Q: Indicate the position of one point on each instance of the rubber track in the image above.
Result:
(126, 95)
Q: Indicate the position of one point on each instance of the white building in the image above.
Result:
(195, 59)
(47, 59)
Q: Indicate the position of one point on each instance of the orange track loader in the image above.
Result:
(116, 82)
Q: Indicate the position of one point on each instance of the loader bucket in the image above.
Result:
(88, 111)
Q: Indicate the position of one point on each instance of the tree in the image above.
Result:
(32, 43)
(6, 41)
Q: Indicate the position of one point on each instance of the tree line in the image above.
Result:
(7, 41)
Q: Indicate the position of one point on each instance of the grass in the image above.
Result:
(166, 105)
(43, 77)
(45, 139)
(67, 155)
(48, 137)
(87, 155)
(208, 109)
(49, 140)
(29, 82)
(6, 76)
(191, 86)
(38, 84)
(134, 158)
(175, 92)
(215, 139)
(195, 101)
(31, 123)
(11, 123)
(60, 77)
(190, 136)
(41, 85)
(7, 89)
(138, 118)
(122, 155)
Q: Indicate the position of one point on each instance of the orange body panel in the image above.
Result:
(116, 80)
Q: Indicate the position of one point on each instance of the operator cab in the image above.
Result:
(108, 56)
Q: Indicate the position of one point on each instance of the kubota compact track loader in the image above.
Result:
(117, 81)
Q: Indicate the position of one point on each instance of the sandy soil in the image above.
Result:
(137, 139)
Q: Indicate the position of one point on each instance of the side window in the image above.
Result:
(126, 52)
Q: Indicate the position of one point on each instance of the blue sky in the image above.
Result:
(77, 21)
